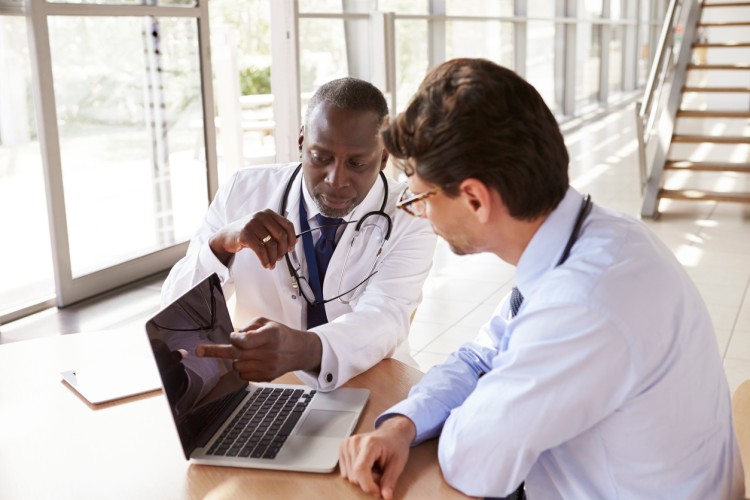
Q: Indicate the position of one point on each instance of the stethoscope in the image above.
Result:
(583, 212)
(307, 242)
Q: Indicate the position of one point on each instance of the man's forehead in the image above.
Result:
(351, 135)
(326, 115)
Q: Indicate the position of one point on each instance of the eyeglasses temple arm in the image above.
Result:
(327, 225)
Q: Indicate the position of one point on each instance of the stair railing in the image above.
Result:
(656, 111)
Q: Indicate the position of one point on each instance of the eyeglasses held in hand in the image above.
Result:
(342, 223)
(374, 228)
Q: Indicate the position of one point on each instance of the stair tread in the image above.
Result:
(702, 113)
(715, 89)
(727, 4)
(723, 45)
(716, 139)
(704, 195)
(719, 66)
(706, 166)
(723, 24)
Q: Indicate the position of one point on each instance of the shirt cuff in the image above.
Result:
(427, 425)
(328, 377)
(208, 263)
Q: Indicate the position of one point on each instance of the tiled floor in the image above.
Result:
(712, 241)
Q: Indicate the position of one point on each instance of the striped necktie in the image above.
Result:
(324, 247)
(516, 299)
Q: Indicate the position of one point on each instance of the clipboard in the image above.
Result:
(115, 379)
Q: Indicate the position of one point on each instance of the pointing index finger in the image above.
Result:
(224, 351)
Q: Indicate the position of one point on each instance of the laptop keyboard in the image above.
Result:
(263, 423)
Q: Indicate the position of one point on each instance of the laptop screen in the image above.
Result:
(200, 391)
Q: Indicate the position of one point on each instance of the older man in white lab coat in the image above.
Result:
(380, 258)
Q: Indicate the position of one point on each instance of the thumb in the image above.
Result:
(255, 324)
(391, 473)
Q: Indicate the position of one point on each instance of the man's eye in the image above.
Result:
(357, 165)
(320, 159)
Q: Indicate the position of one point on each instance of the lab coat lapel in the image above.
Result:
(291, 303)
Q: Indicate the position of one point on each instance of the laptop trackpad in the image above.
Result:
(325, 423)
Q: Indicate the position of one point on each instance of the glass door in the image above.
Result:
(25, 257)
(123, 91)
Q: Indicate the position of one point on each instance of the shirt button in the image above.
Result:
(329, 377)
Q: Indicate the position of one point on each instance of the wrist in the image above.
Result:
(402, 427)
(216, 246)
(313, 352)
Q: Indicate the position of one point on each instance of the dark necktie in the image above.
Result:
(516, 299)
(326, 244)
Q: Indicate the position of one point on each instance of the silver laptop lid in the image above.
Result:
(201, 392)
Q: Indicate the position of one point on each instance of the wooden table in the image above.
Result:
(54, 445)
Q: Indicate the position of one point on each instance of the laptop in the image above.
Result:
(226, 421)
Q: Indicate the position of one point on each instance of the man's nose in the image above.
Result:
(337, 175)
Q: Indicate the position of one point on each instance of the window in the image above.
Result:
(411, 58)
(542, 54)
(323, 52)
(119, 100)
(26, 263)
(588, 60)
(488, 39)
(616, 62)
(241, 61)
(129, 109)
(127, 101)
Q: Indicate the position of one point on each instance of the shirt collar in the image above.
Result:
(548, 243)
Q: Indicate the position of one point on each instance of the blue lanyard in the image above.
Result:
(307, 242)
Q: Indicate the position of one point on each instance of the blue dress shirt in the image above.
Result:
(607, 384)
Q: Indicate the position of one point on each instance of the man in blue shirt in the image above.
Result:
(599, 376)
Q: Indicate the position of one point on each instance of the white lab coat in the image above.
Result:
(359, 334)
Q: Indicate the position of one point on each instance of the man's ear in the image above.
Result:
(384, 159)
(301, 137)
(477, 197)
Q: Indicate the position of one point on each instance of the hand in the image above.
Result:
(265, 350)
(375, 460)
(251, 233)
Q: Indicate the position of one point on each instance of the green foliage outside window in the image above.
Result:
(255, 81)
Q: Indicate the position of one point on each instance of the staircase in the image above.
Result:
(708, 158)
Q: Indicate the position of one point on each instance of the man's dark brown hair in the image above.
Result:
(472, 118)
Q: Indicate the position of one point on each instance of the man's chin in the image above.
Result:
(335, 212)
(456, 250)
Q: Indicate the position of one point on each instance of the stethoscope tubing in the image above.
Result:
(357, 228)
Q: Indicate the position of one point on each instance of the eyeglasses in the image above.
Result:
(372, 231)
(414, 204)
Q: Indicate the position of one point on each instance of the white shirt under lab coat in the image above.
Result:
(607, 383)
(359, 334)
